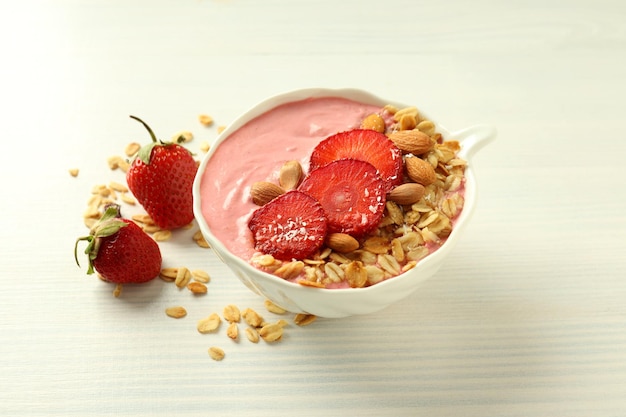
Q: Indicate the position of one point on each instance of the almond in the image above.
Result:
(342, 242)
(407, 193)
(290, 175)
(420, 171)
(262, 192)
(412, 141)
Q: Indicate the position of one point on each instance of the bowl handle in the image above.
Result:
(474, 138)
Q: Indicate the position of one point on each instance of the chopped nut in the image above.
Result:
(374, 122)
(74, 172)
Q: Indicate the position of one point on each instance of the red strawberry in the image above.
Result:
(161, 178)
(364, 145)
(292, 225)
(120, 251)
(352, 194)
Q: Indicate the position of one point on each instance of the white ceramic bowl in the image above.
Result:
(333, 303)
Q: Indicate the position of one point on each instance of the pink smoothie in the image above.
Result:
(257, 150)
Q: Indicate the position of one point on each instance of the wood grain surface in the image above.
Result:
(527, 317)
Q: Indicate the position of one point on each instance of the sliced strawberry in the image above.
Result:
(290, 226)
(352, 194)
(364, 145)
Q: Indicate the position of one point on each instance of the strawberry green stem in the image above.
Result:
(146, 151)
(152, 135)
(109, 224)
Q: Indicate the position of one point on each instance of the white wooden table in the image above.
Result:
(528, 317)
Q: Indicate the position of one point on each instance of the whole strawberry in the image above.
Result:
(161, 178)
(120, 251)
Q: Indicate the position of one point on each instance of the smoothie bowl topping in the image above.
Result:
(374, 201)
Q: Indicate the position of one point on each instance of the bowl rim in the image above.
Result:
(263, 106)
